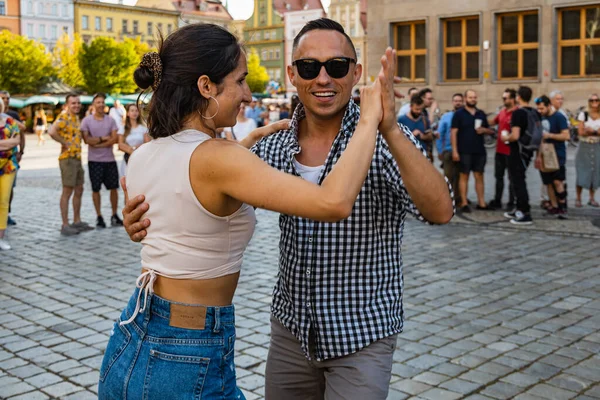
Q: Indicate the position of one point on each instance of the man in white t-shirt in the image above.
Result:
(117, 112)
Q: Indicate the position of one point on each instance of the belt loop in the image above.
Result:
(217, 317)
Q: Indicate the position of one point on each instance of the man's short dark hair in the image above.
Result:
(416, 100)
(424, 91)
(543, 99)
(411, 89)
(525, 93)
(70, 95)
(512, 93)
(458, 94)
(324, 24)
(98, 95)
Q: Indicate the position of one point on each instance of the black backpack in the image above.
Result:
(531, 138)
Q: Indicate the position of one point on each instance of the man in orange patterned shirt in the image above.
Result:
(65, 130)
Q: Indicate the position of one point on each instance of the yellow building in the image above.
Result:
(94, 19)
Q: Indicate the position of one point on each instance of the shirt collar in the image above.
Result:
(349, 121)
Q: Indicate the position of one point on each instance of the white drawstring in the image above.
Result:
(145, 282)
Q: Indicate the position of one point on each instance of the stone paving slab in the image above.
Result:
(492, 312)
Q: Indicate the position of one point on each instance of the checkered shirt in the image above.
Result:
(341, 283)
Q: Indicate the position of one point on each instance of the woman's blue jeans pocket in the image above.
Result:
(174, 377)
(118, 342)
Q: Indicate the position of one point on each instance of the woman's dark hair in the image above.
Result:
(127, 126)
(187, 54)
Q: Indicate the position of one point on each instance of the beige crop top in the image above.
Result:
(184, 241)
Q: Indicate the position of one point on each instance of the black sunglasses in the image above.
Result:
(336, 68)
(593, 100)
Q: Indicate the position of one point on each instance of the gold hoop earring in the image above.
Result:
(216, 112)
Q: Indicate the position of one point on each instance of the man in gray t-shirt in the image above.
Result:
(100, 133)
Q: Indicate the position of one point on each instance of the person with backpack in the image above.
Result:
(525, 138)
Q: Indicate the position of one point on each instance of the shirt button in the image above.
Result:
(307, 304)
(309, 240)
(308, 271)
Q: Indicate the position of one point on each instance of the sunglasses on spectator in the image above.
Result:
(336, 68)
(593, 100)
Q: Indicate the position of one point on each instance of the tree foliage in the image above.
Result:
(108, 66)
(257, 77)
(66, 60)
(24, 63)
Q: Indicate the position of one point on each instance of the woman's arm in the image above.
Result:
(263, 131)
(239, 174)
(123, 146)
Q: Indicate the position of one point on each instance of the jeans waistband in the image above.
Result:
(144, 302)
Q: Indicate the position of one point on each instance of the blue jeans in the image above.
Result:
(150, 359)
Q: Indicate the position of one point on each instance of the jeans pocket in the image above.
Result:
(119, 339)
(174, 377)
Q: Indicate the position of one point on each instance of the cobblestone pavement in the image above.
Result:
(493, 312)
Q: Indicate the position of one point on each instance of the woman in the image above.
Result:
(9, 138)
(40, 125)
(587, 161)
(175, 339)
(133, 133)
(242, 127)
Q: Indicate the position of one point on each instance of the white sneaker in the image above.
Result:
(4, 245)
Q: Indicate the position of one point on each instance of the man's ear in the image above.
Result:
(358, 70)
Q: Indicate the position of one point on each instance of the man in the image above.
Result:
(502, 120)
(520, 158)
(100, 134)
(469, 124)
(556, 132)
(5, 95)
(255, 112)
(117, 112)
(337, 309)
(416, 121)
(557, 100)
(65, 130)
(406, 106)
(444, 145)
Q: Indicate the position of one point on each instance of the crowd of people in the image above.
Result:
(459, 140)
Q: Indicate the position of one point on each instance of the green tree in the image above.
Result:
(108, 66)
(257, 77)
(66, 60)
(140, 47)
(24, 63)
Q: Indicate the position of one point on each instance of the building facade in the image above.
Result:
(193, 11)
(93, 19)
(264, 33)
(46, 21)
(295, 16)
(10, 16)
(352, 15)
(490, 45)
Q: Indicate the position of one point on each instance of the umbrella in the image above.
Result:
(40, 99)
(87, 100)
(16, 103)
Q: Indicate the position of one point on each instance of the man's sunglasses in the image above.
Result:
(336, 68)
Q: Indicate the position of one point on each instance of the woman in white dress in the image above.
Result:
(132, 134)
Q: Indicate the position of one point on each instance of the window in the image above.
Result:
(42, 31)
(267, 35)
(30, 7)
(159, 26)
(135, 27)
(277, 54)
(518, 45)
(40, 8)
(461, 49)
(84, 22)
(98, 23)
(64, 11)
(124, 26)
(169, 28)
(271, 55)
(410, 45)
(2, 8)
(109, 26)
(149, 29)
(54, 9)
(66, 29)
(30, 30)
(53, 32)
(579, 42)
(264, 54)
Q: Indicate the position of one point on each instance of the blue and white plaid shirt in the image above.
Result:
(342, 283)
